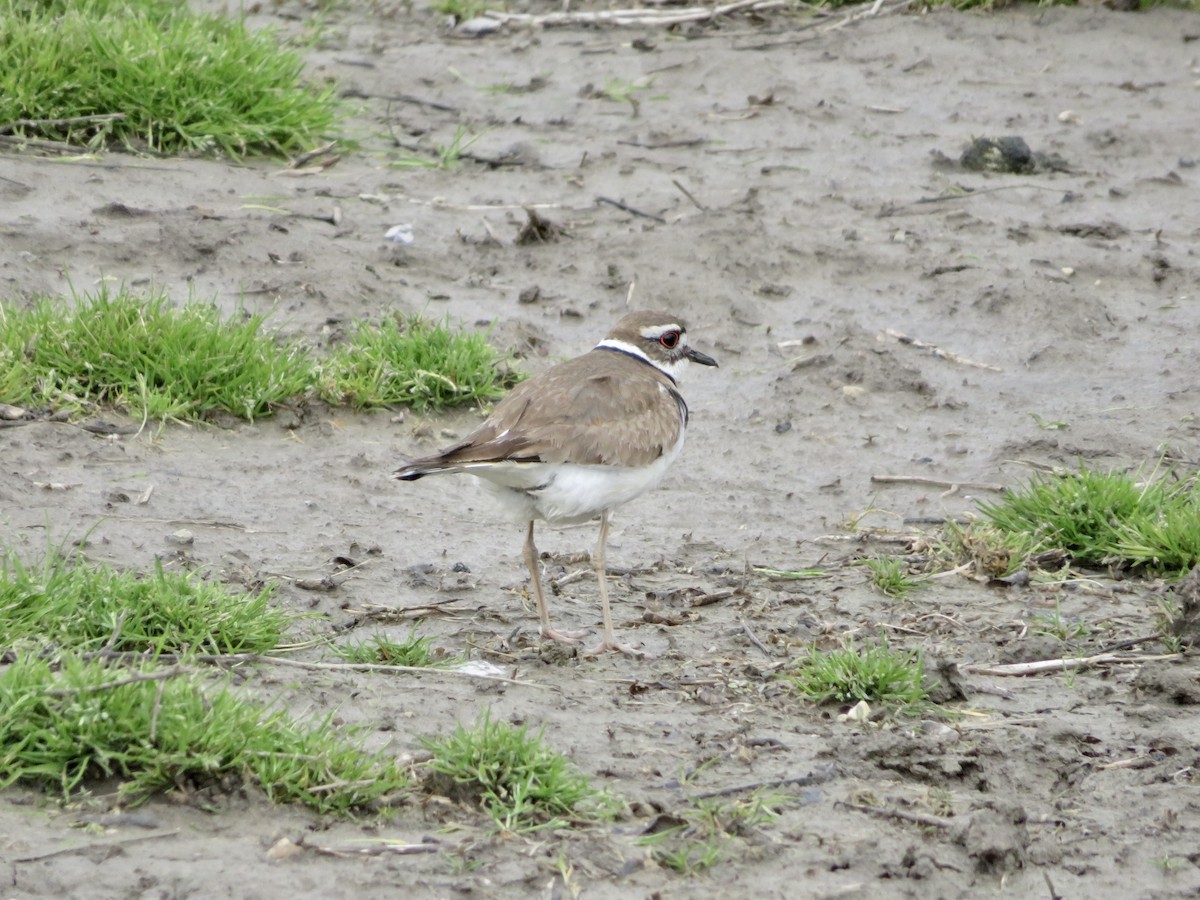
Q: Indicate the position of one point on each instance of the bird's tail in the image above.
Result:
(419, 468)
(411, 472)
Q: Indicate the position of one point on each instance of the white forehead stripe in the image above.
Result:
(653, 333)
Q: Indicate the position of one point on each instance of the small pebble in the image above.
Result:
(400, 234)
(478, 27)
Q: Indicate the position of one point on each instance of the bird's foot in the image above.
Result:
(610, 646)
(570, 638)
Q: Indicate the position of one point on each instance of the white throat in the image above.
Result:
(672, 370)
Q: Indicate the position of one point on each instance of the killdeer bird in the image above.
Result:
(582, 438)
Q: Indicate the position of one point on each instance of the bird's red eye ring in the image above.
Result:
(669, 339)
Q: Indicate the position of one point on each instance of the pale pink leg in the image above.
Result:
(531, 560)
(609, 643)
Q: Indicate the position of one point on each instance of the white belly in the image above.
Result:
(565, 493)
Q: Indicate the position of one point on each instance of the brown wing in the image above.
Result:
(600, 408)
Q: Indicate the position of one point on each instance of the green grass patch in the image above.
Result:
(513, 776)
(146, 356)
(707, 832)
(447, 156)
(890, 576)
(877, 674)
(1107, 518)
(991, 551)
(155, 729)
(687, 847)
(156, 360)
(70, 604)
(408, 360)
(381, 650)
(1063, 628)
(178, 81)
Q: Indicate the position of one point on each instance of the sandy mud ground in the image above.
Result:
(782, 184)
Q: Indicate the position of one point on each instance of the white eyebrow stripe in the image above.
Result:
(654, 331)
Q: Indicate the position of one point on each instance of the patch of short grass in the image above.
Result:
(1063, 628)
(147, 356)
(1107, 518)
(155, 729)
(699, 837)
(448, 156)
(687, 847)
(889, 575)
(875, 673)
(156, 360)
(411, 361)
(622, 90)
(171, 80)
(990, 551)
(382, 650)
(70, 604)
(513, 776)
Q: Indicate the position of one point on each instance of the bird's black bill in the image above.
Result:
(697, 357)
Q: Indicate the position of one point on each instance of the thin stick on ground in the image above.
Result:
(938, 482)
(1062, 665)
(377, 849)
(629, 209)
(939, 352)
(825, 774)
(880, 812)
(865, 535)
(229, 659)
(160, 675)
(14, 140)
(10, 127)
(975, 193)
(662, 17)
(101, 845)
(232, 659)
(754, 639)
(688, 194)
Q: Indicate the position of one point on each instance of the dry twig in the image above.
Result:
(629, 209)
(820, 776)
(754, 638)
(952, 486)
(903, 815)
(231, 658)
(98, 119)
(89, 848)
(939, 352)
(662, 17)
(1062, 665)
(160, 675)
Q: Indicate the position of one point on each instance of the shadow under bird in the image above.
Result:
(580, 439)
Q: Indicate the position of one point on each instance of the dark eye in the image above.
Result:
(669, 339)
